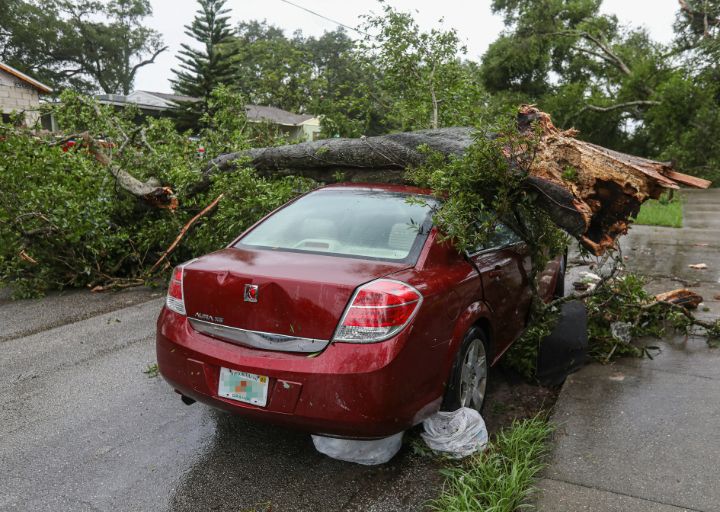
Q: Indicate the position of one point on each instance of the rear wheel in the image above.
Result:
(469, 376)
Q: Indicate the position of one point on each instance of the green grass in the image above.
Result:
(501, 478)
(661, 212)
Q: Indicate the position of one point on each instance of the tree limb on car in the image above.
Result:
(587, 190)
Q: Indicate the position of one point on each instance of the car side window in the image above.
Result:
(501, 237)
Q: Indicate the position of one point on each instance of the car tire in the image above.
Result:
(560, 283)
(467, 386)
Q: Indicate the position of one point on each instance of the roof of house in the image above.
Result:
(160, 101)
(172, 97)
(22, 76)
(275, 115)
(144, 99)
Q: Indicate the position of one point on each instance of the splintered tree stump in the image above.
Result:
(607, 186)
(589, 191)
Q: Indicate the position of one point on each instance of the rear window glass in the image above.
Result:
(361, 223)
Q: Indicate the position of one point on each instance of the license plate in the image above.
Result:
(243, 387)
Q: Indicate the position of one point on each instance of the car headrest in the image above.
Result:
(402, 236)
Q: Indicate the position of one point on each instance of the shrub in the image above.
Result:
(64, 221)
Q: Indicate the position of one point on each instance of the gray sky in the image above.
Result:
(472, 19)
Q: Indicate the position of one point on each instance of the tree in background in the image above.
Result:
(347, 87)
(63, 44)
(697, 30)
(29, 38)
(685, 124)
(202, 70)
(326, 76)
(110, 52)
(577, 63)
(271, 69)
(425, 84)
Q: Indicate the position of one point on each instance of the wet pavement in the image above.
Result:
(641, 434)
(83, 428)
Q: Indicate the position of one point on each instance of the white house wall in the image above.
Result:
(18, 96)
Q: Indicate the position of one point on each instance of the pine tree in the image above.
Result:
(203, 70)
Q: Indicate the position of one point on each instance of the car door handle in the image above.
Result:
(496, 273)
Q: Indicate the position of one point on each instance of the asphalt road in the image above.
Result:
(83, 428)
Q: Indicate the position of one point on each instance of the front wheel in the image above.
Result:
(469, 376)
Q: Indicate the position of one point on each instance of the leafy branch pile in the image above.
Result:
(65, 222)
(622, 311)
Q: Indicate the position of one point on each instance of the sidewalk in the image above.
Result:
(644, 435)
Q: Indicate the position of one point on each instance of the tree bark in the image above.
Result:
(594, 205)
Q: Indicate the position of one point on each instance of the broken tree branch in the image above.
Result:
(682, 297)
(619, 106)
(183, 232)
(149, 191)
(118, 284)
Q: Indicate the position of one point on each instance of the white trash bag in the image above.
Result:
(457, 434)
(366, 452)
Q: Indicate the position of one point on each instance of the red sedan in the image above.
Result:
(342, 313)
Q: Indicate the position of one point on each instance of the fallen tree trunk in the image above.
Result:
(382, 159)
(605, 190)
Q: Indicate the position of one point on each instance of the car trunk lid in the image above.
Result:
(298, 295)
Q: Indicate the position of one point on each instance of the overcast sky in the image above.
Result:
(471, 18)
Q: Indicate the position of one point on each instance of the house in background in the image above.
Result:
(295, 126)
(302, 127)
(21, 94)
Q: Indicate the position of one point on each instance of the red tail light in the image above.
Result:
(378, 311)
(175, 300)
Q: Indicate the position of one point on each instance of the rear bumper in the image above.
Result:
(349, 390)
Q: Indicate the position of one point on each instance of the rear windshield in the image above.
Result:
(362, 223)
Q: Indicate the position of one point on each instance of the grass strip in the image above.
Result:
(501, 478)
(661, 212)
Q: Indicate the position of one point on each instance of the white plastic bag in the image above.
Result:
(457, 434)
(621, 331)
(368, 453)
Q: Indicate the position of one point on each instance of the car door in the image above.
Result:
(504, 266)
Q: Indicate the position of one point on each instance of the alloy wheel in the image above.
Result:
(473, 376)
